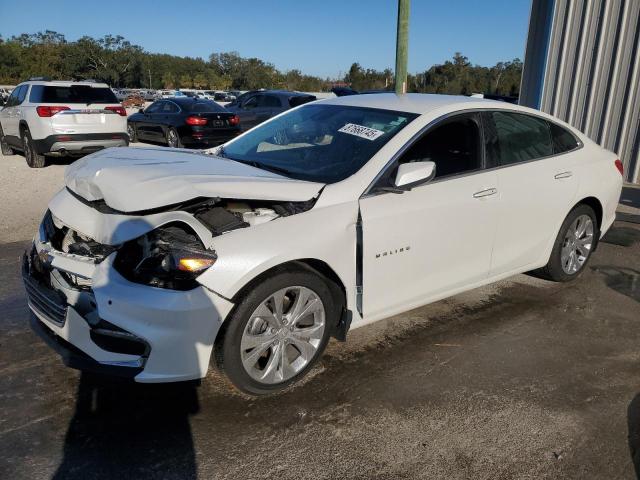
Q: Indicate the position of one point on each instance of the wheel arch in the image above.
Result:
(22, 126)
(595, 204)
(317, 266)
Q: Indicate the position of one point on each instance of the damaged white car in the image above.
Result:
(152, 262)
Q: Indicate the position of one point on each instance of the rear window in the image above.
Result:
(300, 99)
(72, 94)
(206, 106)
(518, 138)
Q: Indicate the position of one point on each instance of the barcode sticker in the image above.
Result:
(360, 131)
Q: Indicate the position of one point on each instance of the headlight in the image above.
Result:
(171, 257)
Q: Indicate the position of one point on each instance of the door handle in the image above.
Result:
(485, 193)
(560, 176)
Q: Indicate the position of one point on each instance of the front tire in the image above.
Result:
(34, 159)
(574, 244)
(277, 332)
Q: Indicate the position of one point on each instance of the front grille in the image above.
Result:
(46, 301)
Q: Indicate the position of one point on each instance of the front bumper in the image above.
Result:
(80, 144)
(106, 324)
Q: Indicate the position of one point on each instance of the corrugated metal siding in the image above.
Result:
(591, 76)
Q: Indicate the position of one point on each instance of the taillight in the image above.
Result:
(235, 120)
(620, 167)
(119, 110)
(50, 111)
(196, 121)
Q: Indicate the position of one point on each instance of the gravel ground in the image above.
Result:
(523, 379)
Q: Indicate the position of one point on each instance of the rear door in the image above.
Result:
(89, 109)
(536, 182)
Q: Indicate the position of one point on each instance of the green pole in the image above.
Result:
(402, 46)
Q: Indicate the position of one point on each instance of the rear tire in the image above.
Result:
(4, 146)
(287, 344)
(173, 139)
(34, 159)
(576, 240)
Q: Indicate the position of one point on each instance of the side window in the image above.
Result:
(269, 101)
(516, 137)
(252, 102)
(563, 140)
(454, 146)
(170, 107)
(22, 93)
(154, 107)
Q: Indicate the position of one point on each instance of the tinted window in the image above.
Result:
(251, 102)
(169, 107)
(22, 93)
(515, 137)
(454, 146)
(563, 140)
(300, 99)
(206, 106)
(72, 94)
(155, 107)
(269, 101)
(321, 143)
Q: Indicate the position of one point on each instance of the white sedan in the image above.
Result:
(326, 218)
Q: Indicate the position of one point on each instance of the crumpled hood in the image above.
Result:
(135, 179)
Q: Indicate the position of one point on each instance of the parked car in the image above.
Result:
(180, 122)
(255, 107)
(61, 118)
(329, 217)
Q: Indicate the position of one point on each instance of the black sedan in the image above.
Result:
(181, 122)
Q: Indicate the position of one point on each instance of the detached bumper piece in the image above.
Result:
(52, 318)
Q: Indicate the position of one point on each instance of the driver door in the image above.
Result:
(437, 238)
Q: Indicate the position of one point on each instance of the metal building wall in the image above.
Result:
(582, 64)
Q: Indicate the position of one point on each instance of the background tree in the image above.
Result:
(115, 60)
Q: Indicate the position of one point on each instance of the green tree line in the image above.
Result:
(118, 62)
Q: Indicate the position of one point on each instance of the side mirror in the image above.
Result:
(141, 110)
(412, 174)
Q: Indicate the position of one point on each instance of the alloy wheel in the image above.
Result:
(577, 244)
(172, 138)
(28, 154)
(283, 335)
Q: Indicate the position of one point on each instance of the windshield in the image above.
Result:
(318, 143)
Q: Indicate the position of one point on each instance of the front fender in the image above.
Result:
(327, 234)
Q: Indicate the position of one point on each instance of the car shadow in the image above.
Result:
(622, 236)
(621, 279)
(630, 197)
(633, 425)
(129, 430)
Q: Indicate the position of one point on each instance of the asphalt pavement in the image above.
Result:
(524, 379)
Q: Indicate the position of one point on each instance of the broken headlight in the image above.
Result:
(171, 256)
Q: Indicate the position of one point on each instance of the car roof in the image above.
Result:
(409, 102)
(65, 83)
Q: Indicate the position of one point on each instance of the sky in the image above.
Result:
(318, 37)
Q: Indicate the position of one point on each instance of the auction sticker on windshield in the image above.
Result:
(360, 131)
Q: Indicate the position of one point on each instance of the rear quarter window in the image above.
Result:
(71, 94)
(563, 139)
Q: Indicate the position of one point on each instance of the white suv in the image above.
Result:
(59, 118)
